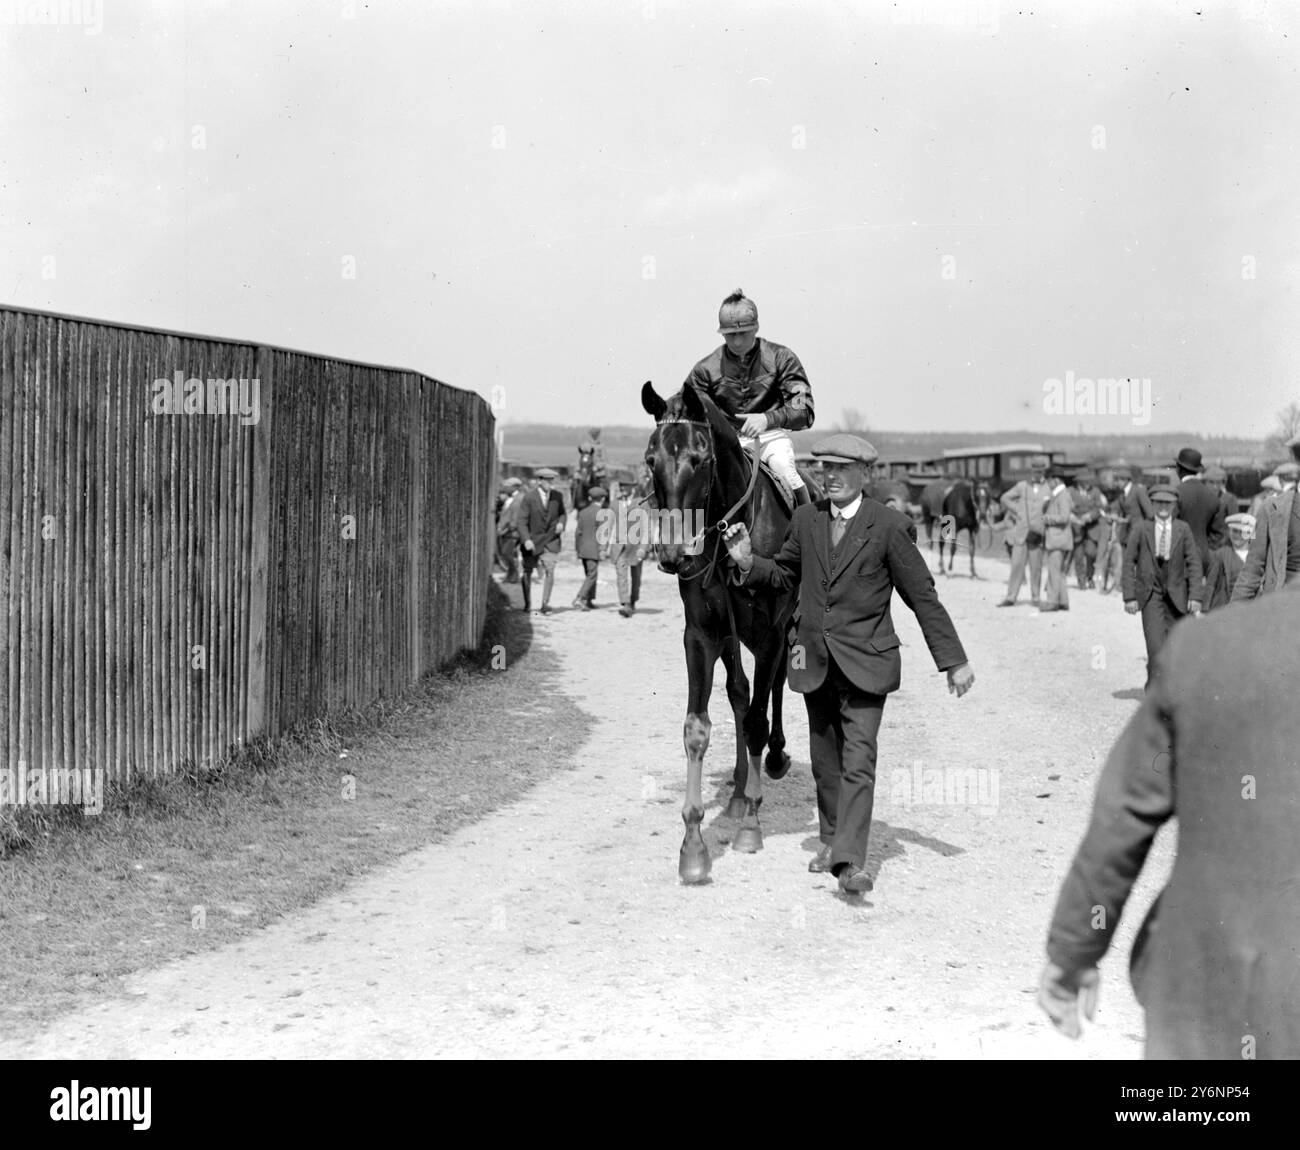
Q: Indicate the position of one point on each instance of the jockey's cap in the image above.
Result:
(737, 314)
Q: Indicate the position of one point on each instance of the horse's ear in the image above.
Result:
(652, 401)
(691, 403)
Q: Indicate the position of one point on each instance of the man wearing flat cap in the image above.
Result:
(508, 528)
(847, 554)
(1274, 557)
(1162, 573)
(1198, 505)
(1058, 539)
(588, 545)
(1227, 562)
(1024, 504)
(541, 524)
(760, 385)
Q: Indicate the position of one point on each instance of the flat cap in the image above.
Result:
(1241, 519)
(1215, 474)
(513, 481)
(1038, 463)
(597, 492)
(1122, 472)
(546, 473)
(844, 448)
(1288, 470)
(1163, 491)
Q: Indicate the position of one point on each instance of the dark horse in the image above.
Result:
(584, 478)
(956, 507)
(699, 465)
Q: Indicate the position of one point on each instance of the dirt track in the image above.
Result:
(557, 927)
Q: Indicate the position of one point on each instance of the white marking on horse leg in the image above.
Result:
(695, 737)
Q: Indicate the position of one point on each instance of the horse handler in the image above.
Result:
(847, 554)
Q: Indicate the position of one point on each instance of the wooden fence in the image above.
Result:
(186, 566)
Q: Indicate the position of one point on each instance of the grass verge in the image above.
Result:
(182, 864)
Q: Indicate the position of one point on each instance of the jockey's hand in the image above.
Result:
(1131, 607)
(960, 679)
(1067, 996)
(738, 545)
(528, 546)
(753, 426)
(1194, 606)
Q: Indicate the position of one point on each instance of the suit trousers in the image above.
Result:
(1158, 616)
(628, 574)
(1019, 553)
(587, 592)
(1056, 574)
(843, 721)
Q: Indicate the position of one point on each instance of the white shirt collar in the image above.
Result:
(846, 512)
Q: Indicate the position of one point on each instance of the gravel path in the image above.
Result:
(557, 927)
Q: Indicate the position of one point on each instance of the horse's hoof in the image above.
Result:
(736, 807)
(748, 840)
(777, 768)
(694, 865)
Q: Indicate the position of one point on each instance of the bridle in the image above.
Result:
(722, 525)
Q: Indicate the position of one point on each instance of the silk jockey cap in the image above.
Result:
(737, 314)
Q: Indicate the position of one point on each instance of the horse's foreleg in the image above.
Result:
(738, 694)
(973, 533)
(777, 763)
(694, 864)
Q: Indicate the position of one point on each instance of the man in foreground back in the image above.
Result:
(1216, 741)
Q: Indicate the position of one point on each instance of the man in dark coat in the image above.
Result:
(1162, 573)
(1228, 561)
(589, 547)
(1198, 505)
(1216, 743)
(847, 555)
(1274, 556)
(1134, 503)
(541, 524)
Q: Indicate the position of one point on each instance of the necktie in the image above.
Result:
(1163, 551)
(838, 526)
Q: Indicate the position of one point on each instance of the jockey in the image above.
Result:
(592, 446)
(760, 385)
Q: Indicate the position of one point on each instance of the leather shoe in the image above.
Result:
(854, 879)
(1007, 603)
(821, 861)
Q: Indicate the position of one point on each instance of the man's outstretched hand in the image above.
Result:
(1067, 996)
(738, 545)
(960, 679)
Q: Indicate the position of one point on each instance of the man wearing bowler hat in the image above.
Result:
(1198, 505)
(847, 554)
(1162, 572)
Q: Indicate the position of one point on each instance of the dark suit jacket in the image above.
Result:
(1225, 566)
(1136, 508)
(1183, 578)
(1199, 508)
(542, 524)
(1265, 568)
(844, 606)
(585, 537)
(1216, 742)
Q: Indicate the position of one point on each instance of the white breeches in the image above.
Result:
(776, 449)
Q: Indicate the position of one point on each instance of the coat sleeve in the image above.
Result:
(912, 580)
(1213, 575)
(796, 410)
(1135, 796)
(1144, 502)
(1128, 580)
(1252, 572)
(1216, 534)
(1195, 573)
(782, 571)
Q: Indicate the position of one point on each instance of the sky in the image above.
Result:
(940, 205)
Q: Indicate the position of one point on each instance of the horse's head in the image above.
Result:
(680, 455)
